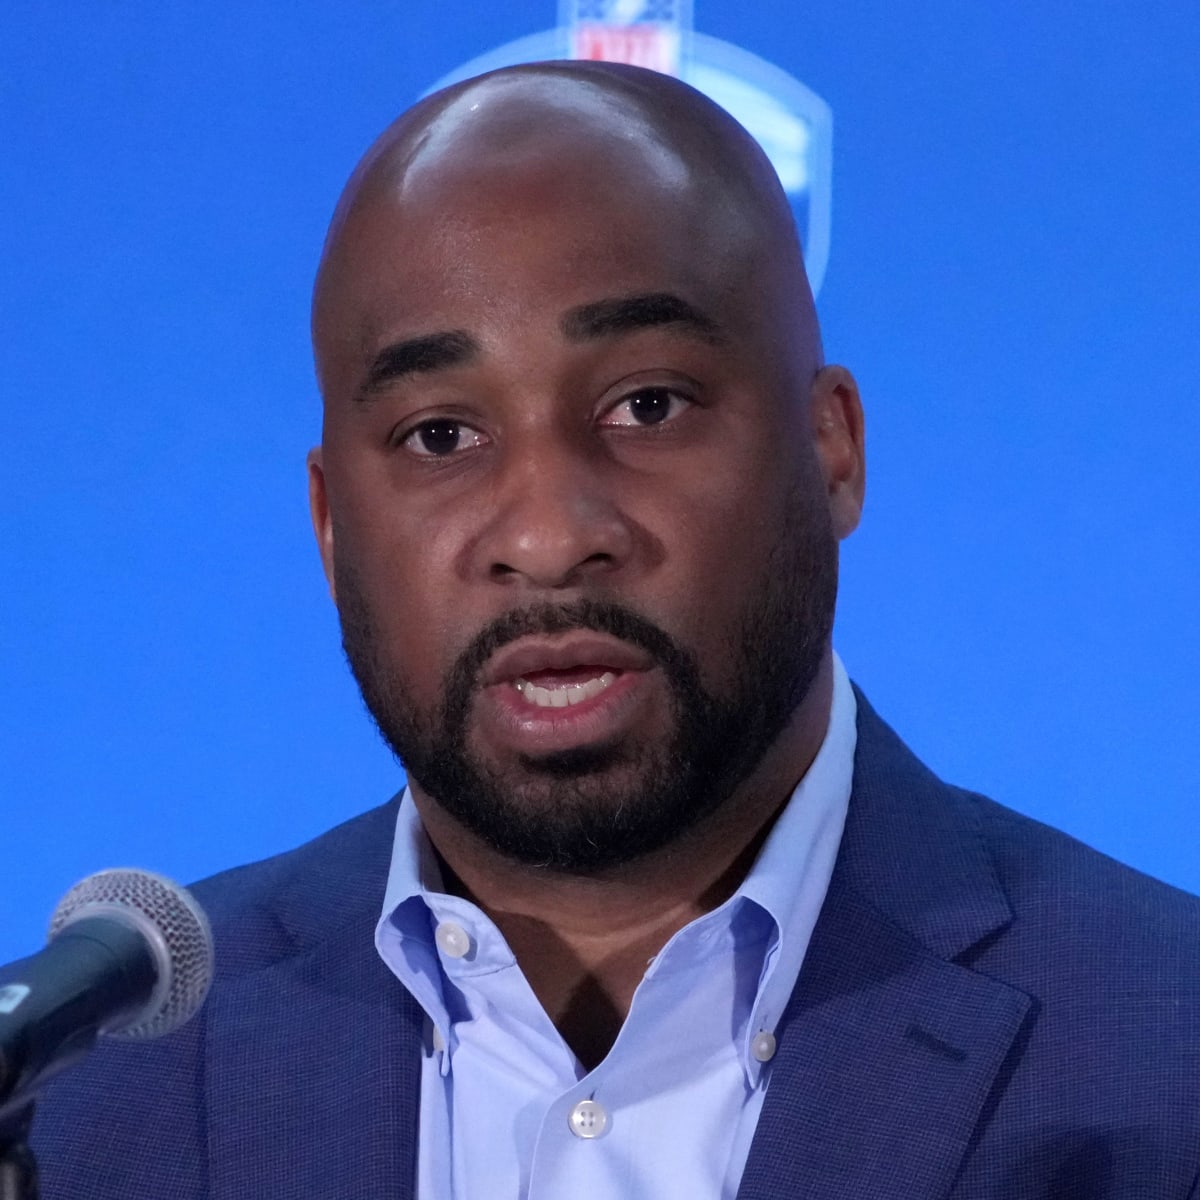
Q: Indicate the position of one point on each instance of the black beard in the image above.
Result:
(583, 810)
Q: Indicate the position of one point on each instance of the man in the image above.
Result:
(666, 909)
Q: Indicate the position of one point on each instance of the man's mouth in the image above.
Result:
(562, 689)
(545, 693)
(579, 665)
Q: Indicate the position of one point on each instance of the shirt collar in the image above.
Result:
(818, 802)
(414, 870)
(790, 876)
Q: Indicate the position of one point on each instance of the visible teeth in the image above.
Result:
(563, 697)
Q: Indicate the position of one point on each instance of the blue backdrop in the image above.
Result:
(1014, 276)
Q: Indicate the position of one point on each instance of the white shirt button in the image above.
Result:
(588, 1119)
(763, 1046)
(452, 940)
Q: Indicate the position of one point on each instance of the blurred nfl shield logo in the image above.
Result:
(790, 121)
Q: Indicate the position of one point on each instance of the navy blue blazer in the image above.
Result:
(988, 1009)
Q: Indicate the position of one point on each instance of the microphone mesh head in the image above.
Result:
(174, 924)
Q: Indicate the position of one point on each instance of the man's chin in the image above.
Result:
(575, 762)
(578, 811)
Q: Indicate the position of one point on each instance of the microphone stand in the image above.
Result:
(18, 1170)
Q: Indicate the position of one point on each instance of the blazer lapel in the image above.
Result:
(313, 1080)
(891, 1046)
(313, 1048)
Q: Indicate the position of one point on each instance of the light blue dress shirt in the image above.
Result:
(506, 1109)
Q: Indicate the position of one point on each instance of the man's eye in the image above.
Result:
(440, 437)
(647, 406)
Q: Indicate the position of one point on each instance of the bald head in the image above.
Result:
(596, 139)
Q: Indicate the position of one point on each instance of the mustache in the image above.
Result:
(598, 616)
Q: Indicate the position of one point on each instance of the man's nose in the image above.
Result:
(556, 519)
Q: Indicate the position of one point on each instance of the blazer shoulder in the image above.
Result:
(1028, 903)
(266, 910)
(917, 843)
(1077, 895)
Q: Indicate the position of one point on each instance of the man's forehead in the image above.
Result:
(538, 155)
(628, 180)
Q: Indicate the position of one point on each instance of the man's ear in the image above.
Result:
(837, 418)
(318, 506)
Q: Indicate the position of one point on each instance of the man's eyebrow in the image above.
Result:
(627, 313)
(429, 352)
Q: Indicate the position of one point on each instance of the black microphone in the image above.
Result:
(130, 956)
